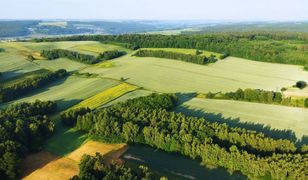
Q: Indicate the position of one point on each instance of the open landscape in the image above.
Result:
(153, 99)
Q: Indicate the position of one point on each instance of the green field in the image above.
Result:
(164, 75)
(155, 75)
(274, 116)
(18, 79)
(70, 91)
(185, 51)
(14, 59)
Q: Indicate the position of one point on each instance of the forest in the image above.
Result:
(149, 121)
(23, 129)
(94, 167)
(284, 47)
(18, 86)
(83, 58)
(197, 59)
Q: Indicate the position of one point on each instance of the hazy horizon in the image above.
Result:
(172, 10)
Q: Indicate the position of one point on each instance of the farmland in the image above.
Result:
(185, 51)
(79, 89)
(288, 118)
(164, 75)
(106, 83)
(48, 166)
(106, 96)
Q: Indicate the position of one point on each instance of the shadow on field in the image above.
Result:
(10, 74)
(303, 141)
(36, 161)
(235, 122)
(183, 97)
(45, 87)
(64, 104)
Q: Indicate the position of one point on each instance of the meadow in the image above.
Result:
(163, 75)
(70, 91)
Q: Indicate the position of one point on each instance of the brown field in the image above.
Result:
(91, 147)
(46, 166)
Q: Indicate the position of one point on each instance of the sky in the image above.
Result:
(250, 10)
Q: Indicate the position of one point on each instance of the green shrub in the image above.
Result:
(306, 102)
(301, 84)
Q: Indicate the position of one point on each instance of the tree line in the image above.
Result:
(79, 57)
(192, 58)
(16, 87)
(268, 47)
(256, 95)
(215, 144)
(23, 129)
(95, 168)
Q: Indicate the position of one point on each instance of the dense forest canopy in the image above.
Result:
(215, 144)
(23, 129)
(83, 58)
(192, 58)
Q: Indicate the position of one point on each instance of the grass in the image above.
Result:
(20, 78)
(106, 96)
(274, 116)
(165, 75)
(185, 51)
(70, 91)
(96, 48)
(134, 94)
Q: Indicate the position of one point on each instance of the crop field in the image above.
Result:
(106, 96)
(165, 75)
(70, 91)
(57, 23)
(185, 51)
(130, 95)
(17, 79)
(23, 49)
(57, 167)
(274, 116)
(96, 48)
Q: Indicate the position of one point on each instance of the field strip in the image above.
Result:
(228, 111)
(44, 165)
(106, 96)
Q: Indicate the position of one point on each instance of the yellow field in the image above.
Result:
(106, 96)
(57, 23)
(46, 166)
(91, 147)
